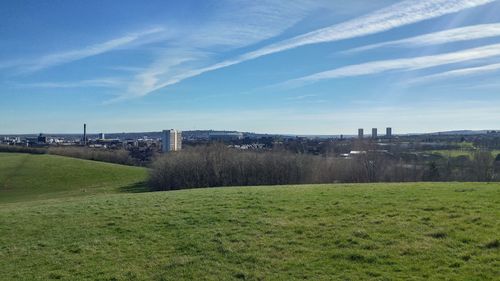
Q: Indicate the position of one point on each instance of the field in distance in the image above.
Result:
(456, 153)
(422, 231)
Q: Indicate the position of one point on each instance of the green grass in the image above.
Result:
(452, 152)
(456, 153)
(425, 231)
(31, 177)
(466, 145)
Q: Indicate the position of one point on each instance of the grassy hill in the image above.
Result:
(26, 177)
(425, 231)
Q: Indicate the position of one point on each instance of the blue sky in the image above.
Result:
(298, 66)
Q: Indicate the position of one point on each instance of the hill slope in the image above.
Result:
(444, 231)
(25, 177)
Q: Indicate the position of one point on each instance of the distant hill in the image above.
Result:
(461, 132)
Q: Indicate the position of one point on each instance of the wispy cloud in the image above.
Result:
(483, 85)
(91, 83)
(403, 13)
(301, 97)
(401, 64)
(235, 25)
(467, 33)
(458, 73)
(54, 59)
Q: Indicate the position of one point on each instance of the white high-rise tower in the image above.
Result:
(171, 140)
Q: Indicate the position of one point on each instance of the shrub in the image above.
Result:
(22, 149)
(119, 156)
(483, 166)
(432, 172)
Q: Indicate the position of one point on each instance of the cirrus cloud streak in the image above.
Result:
(416, 63)
(467, 33)
(394, 16)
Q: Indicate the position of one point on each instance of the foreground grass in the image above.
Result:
(442, 231)
(25, 177)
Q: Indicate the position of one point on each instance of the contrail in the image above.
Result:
(403, 64)
(458, 73)
(467, 33)
(394, 16)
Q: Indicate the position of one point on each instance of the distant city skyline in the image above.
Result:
(280, 67)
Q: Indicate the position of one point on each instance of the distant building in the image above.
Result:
(360, 133)
(225, 136)
(171, 140)
(109, 143)
(388, 132)
(41, 139)
(374, 133)
(102, 136)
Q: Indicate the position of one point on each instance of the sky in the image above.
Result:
(318, 67)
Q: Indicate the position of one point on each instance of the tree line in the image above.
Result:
(117, 156)
(217, 165)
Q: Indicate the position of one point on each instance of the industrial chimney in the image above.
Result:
(85, 134)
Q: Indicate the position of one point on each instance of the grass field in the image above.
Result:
(30, 177)
(425, 231)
